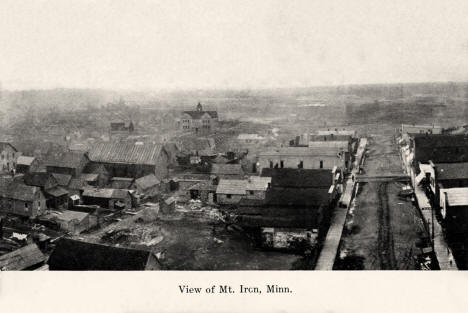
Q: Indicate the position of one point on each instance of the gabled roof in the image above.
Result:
(227, 169)
(329, 137)
(121, 182)
(299, 178)
(250, 137)
(204, 185)
(449, 171)
(22, 258)
(62, 179)
(147, 181)
(85, 256)
(72, 159)
(25, 160)
(39, 179)
(89, 177)
(329, 144)
(128, 153)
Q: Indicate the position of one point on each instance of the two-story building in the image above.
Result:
(8, 157)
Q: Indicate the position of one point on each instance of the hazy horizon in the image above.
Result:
(230, 45)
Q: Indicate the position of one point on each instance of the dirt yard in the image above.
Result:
(382, 229)
(187, 242)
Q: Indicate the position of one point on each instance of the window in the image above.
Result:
(301, 164)
(26, 206)
(321, 164)
(251, 192)
(282, 164)
(271, 164)
(229, 196)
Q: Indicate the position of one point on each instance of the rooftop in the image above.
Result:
(128, 153)
(72, 159)
(19, 191)
(301, 151)
(231, 186)
(62, 179)
(147, 181)
(22, 258)
(108, 193)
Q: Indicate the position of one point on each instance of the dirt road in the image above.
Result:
(382, 229)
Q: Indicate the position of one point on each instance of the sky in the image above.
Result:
(182, 44)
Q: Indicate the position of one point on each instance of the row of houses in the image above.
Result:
(439, 165)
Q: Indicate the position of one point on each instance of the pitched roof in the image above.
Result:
(196, 115)
(22, 258)
(127, 153)
(89, 177)
(448, 171)
(85, 256)
(231, 186)
(147, 181)
(72, 159)
(329, 144)
(19, 191)
(250, 137)
(301, 151)
(299, 178)
(337, 132)
(56, 191)
(38, 179)
(204, 185)
(121, 182)
(25, 160)
(227, 169)
(62, 179)
(329, 137)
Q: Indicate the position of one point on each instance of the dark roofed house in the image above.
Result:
(25, 258)
(63, 180)
(199, 121)
(70, 163)
(441, 148)
(229, 171)
(74, 255)
(100, 170)
(131, 160)
(20, 199)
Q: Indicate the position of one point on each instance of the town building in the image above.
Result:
(120, 129)
(112, 199)
(337, 131)
(74, 255)
(20, 199)
(454, 209)
(131, 160)
(451, 175)
(8, 157)
(440, 148)
(26, 164)
(74, 222)
(199, 121)
(232, 191)
(304, 157)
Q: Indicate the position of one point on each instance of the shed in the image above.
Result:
(148, 185)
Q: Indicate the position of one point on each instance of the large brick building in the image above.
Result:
(199, 121)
